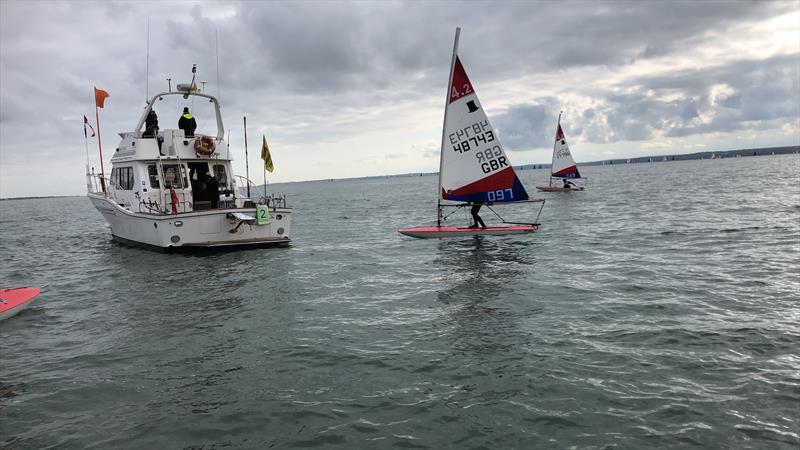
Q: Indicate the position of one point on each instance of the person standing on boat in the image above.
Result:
(568, 184)
(212, 189)
(475, 217)
(151, 129)
(187, 123)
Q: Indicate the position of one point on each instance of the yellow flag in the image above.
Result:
(266, 156)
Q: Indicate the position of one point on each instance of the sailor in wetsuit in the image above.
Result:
(475, 208)
(568, 184)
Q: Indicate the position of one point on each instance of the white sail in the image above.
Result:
(563, 164)
(474, 165)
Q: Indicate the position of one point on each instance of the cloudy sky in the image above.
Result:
(345, 89)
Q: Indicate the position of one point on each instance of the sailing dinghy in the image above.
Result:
(473, 167)
(563, 165)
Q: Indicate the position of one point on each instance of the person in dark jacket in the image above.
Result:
(187, 123)
(212, 189)
(151, 129)
(151, 125)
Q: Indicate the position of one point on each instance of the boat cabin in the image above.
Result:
(161, 168)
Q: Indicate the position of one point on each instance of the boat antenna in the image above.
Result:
(204, 86)
(169, 84)
(147, 65)
(191, 85)
(216, 44)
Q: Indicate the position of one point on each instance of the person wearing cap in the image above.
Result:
(187, 123)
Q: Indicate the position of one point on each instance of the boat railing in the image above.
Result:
(182, 205)
(256, 196)
(99, 185)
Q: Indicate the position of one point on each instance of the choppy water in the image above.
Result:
(657, 309)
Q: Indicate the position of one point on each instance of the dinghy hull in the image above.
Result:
(558, 189)
(14, 300)
(445, 232)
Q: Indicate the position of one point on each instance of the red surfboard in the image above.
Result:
(14, 300)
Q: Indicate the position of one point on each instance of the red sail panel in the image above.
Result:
(498, 181)
(460, 84)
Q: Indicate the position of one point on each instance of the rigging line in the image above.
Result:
(454, 211)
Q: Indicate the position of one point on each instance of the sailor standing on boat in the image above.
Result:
(187, 123)
(475, 208)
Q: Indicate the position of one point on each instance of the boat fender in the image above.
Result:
(204, 145)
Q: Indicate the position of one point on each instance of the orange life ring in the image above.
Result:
(204, 145)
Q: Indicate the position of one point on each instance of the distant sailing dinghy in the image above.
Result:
(563, 166)
(473, 167)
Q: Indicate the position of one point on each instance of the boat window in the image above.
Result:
(174, 176)
(123, 177)
(153, 173)
(219, 174)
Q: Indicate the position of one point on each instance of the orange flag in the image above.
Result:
(100, 97)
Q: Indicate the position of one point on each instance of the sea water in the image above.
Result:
(659, 308)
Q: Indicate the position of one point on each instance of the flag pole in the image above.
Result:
(86, 144)
(99, 144)
(246, 162)
(265, 179)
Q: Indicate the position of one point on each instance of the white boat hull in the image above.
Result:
(205, 228)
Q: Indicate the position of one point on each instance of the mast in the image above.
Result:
(553, 159)
(246, 162)
(444, 129)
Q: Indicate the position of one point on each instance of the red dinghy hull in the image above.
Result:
(14, 300)
(443, 232)
(557, 189)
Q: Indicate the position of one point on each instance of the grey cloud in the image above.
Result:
(526, 126)
(758, 90)
(314, 71)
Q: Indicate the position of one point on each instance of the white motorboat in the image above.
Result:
(160, 191)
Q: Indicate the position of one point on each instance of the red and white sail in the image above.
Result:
(563, 164)
(474, 167)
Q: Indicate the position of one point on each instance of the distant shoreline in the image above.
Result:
(767, 151)
(38, 197)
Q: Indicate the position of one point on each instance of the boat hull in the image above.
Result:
(197, 229)
(446, 232)
(15, 300)
(558, 189)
